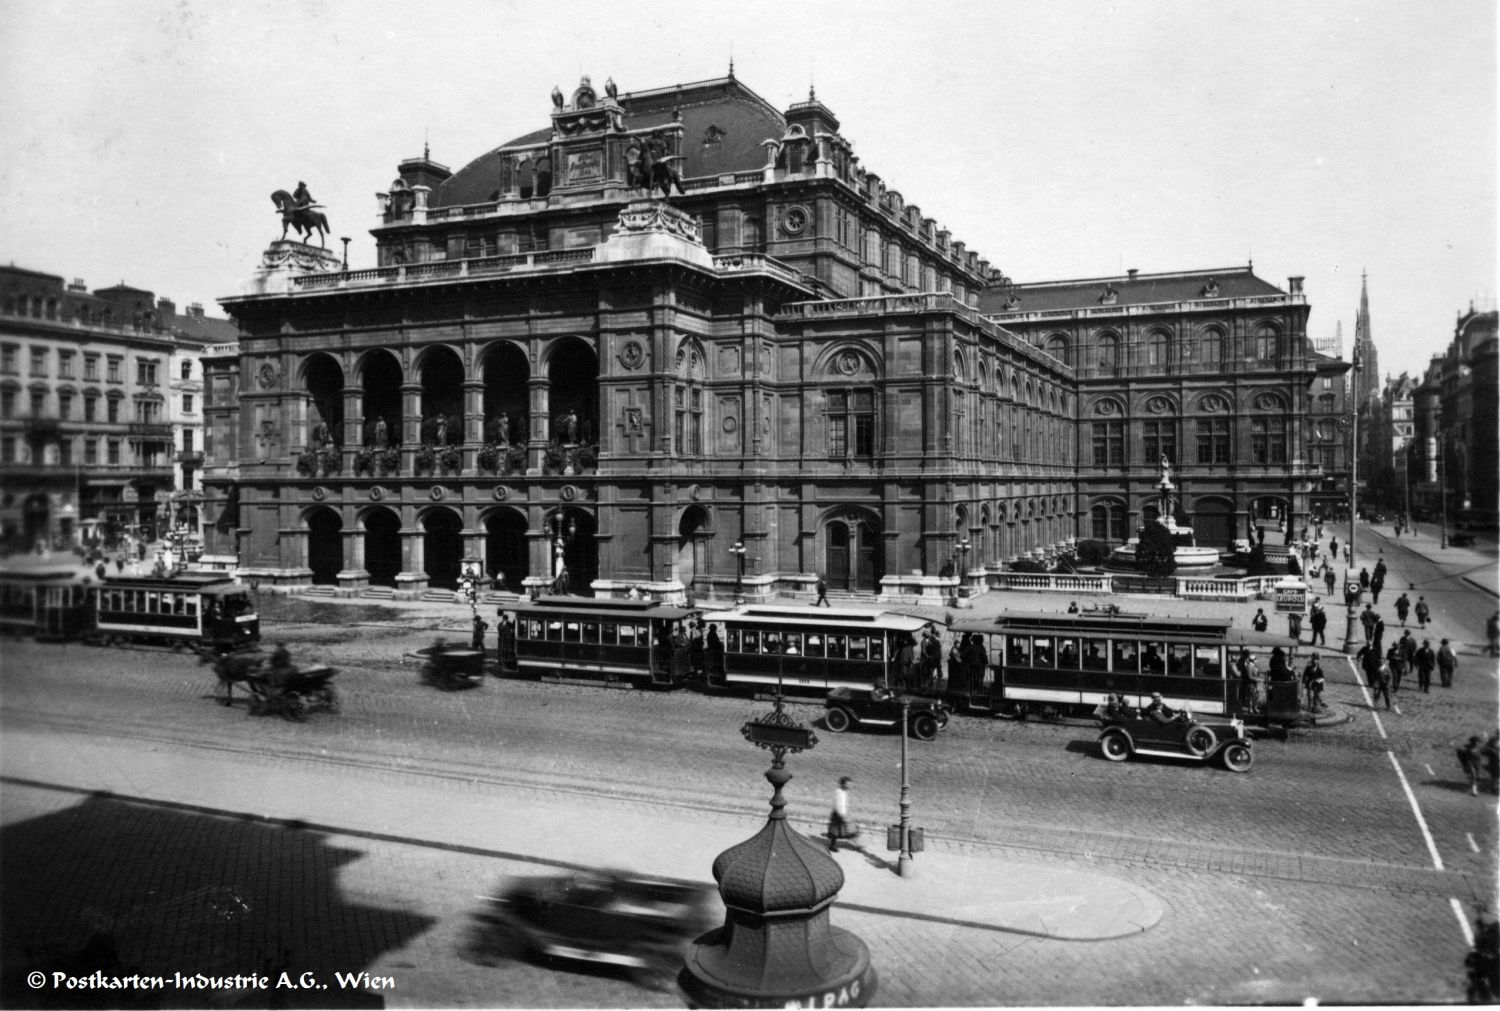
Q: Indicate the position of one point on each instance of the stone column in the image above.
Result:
(354, 435)
(413, 574)
(411, 426)
(539, 425)
(353, 576)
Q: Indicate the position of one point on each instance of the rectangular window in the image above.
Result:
(838, 407)
(1268, 440)
(90, 408)
(1109, 443)
(187, 403)
(7, 403)
(65, 364)
(1161, 441)
(1095, 654)
(113, 410)
(38, 404)
(7, 449)
(39, 361)
(145, 372)
(112, 372)
(187, 440)
(91, 367)
(65, 406)
(114, 452)
(65, 452)
(851, 423)
(1213, 440)
(90, 451)
(8, 358)
(187, 369)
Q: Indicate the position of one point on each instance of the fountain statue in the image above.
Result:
(1185, 551)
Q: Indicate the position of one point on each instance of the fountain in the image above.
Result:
(1184, 551)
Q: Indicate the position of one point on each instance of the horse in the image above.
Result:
(304, 219)
(653, 171)
(232, 669)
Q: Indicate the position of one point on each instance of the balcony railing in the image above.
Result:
(149, 430)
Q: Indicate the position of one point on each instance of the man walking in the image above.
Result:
(1447, 662)
(1367, 618)
(1423, 611)
(1403, 608)
(1377, 674)
(1312, 683)
(1397, 663)
(1329, 579)
(1319, 623)
(839, 826)
(1425, 661)
(822, 600)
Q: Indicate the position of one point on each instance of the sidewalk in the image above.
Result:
(557, 829)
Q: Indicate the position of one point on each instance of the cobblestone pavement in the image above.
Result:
(1330, 872)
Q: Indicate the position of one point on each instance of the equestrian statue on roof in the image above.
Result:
(654, 168)
(298, 210)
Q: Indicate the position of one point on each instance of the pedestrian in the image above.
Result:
(839, 825)
(1377, 583)
(822, 594)
(697, 650)
(1377, 674)
(1380, 569)
(1348, 554)
(1329, 579)
(905, 659)
(1403, 608)
(1333, 549)
(1396, 661)
(1423, 611)
(119, 563)
(1492, 633)
(100, 571)
(932, 657)
(1425, 660)
(715, 648)
(505, 641)
(1447, 662)
(1364, 579)
(1367, 618)
(1471, 760)
(1319, 623)
(1260, 621)
(1397, 528)
(476, 639)
(1249, 681)
(1378, 638)
(1312, 683)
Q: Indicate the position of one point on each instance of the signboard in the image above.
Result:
(1291, 596)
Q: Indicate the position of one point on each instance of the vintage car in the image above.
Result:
(880, 707)
(639, 924)
(1199, 741)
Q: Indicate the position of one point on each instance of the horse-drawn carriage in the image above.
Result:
(282, 690)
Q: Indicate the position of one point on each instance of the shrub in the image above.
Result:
(552, 459)
(488, 458)
(587, 458)
(307, 463)
(426, 459)
(1155, 552)
(515, 459)
(452, 458)
(1029, 565)
(1092, 552)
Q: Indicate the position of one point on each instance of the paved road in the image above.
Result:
(1311, 877)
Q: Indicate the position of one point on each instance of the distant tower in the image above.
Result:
(1364, 347)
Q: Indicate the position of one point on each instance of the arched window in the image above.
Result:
(1057, 346)
(1108, 347)
(1211, 349)
(1266, 347)
(1158, 352)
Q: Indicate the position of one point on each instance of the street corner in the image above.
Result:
(1053, 901)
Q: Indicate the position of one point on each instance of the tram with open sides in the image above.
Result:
(56, 602)
(207, 610)
(1071, 663)
(809, 650)
(601, 638)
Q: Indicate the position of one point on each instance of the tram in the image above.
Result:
(809, 650)
(601, 638)
(201, 609)
(1071, 663)
(48, 603)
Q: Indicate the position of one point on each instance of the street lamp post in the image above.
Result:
(961, 552)
(1352, 636)
(904, 866)
(738, 550)
(1442, 483)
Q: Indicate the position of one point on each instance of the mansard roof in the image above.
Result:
(723, 123)
(1132, 288)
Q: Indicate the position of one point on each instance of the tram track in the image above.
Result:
(1030, 841)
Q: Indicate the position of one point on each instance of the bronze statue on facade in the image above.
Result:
(654, 168)
(300, 212)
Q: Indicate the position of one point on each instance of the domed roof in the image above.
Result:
(777, 870)
(723, 124)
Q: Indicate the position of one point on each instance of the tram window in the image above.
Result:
(190, 607)
(1127, 656)
(571, 630)
(1179, 660)
(1067, 654)
(590, 632)
(1018, 651)
(732, 641)
(770, 642)
(750, 641)
(630, 635)
(1041, 652)
(837, 647)
(554, 631)
(877, 648)
(814, 645)
(1152, 661)
(791, 644)
(153, 602)
(859, 647)
(1208, 663)
(531, 628)
(608, 634)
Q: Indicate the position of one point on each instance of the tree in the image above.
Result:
(1154, 553)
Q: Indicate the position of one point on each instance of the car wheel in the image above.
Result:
(1201, 740)
(924, 726)
(837, 719)
(1238, 757)
(1115, 745)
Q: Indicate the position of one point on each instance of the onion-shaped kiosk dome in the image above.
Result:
(777, 945)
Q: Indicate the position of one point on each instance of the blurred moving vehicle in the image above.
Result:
(640, 924)
(451, 668)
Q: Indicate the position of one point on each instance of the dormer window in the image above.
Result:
(1210, 290)
(1109, 296)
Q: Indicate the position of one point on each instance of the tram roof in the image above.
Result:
(183, 581)
(845, 618)
(1102, 622)
(602, 608)
(48, 574)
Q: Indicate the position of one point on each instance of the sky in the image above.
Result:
(142, 138)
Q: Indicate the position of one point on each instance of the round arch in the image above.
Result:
(442, 545)
(382, 532)
(325, 544)
(573, 544)
(1213, 521)
(853, 548)
(505, 553)
(695, 533)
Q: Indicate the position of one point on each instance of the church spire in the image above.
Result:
(1364, 344)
